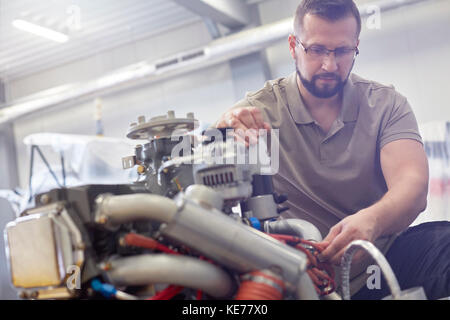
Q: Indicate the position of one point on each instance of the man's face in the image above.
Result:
(325, 76)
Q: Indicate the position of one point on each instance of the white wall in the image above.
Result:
(148, 49)
(410, 51)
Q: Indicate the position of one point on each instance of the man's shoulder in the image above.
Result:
(374, 96)
(372, 88)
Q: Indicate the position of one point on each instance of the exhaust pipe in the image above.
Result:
(214, 234)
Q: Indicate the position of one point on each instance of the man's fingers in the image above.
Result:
(235, 123)
(248, 127)
(245, 116)
(259, 120)
(336, 259)
(326, 243)
(334, 231)
(336, 245)
(229, 120)
(246, 122)
(266, 126)
(223, 123)
(239, 139)
(249, 135)
(323, 244)
(257, 117)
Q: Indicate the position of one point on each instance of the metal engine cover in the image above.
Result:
(39, 250)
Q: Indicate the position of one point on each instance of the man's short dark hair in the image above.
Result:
(331, 10)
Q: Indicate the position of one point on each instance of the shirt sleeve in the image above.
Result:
(400, 123)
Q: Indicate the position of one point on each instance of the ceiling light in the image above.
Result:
(40, 31)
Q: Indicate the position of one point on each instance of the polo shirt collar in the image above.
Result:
(350, 101)
(295, 102)
(301, 115)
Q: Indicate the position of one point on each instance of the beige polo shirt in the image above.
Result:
(328, 176)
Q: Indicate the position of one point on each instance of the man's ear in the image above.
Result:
(292, 45)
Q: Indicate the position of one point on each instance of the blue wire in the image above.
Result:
(107, 290)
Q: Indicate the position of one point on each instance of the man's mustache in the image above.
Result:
(327, 76)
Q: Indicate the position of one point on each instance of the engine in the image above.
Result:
(199, 223)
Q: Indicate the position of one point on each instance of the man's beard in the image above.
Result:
(327, 91)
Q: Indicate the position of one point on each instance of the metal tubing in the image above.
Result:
(379, 259)
(305, 288)
(234, 244)
(116, 210)
(296, 227)
(211, 232)
(172, 269)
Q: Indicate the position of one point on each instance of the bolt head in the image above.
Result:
(102, 219)
(105, 266)
(141, 169)
(45, 199)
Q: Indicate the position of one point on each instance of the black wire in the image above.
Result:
(33, 148)
(31, 173)
(48, 166)
(63, 169)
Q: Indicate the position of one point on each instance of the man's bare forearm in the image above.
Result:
(401, 205)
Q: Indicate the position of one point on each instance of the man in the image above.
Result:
(351, 157)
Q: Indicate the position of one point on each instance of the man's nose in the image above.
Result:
(329, 63)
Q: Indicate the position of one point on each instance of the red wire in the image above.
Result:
(136, 240)
(323, 281)
(167, 294)
(285, 237)
(133, 239)
(206, 259)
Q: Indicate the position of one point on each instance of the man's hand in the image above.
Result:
(246, 121)
(359, 226)
(405, 169)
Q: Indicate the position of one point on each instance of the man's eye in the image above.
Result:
(343, 51)
(318, 50)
